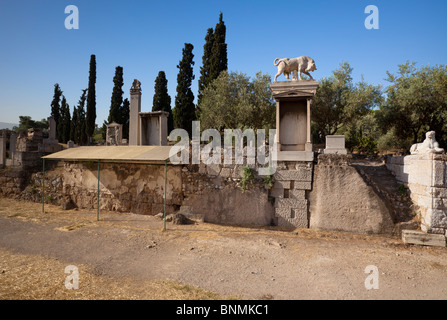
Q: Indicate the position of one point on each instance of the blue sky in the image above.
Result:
(145, 37)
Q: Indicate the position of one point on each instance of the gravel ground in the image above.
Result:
(212, 261)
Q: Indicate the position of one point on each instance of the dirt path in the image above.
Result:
(253, 263)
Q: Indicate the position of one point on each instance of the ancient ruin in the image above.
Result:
(424, 173)
(114, 134)
(308, 188)
(146, 128)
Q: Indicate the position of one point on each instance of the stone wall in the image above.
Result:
(293, 181)
(342, 201)
(328, 194)
(136, 188)
(12, 182)
(26, 184)
(425, 177)
(214, 192)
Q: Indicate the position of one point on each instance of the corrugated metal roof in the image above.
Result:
(113, 154)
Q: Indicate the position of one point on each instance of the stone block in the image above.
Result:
(297, 194)
(296, 175)
(237, 172)
(290, 203)
(299, 218)
(421, 238)
(335, 145)
(225, 172)
(438, 174)
(202, 168)
(283, 212)
(302, 185)
(188, 212)
(277, 192)
(436, 218)
(296, 218)
(282, 184)
(213, 169)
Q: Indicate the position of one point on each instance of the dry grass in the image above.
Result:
(29, 277)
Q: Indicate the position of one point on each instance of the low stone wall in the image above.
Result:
(341, 200)
(12, 182)
(136, 188)
(26, 184)
(214, 192)
(425, 177)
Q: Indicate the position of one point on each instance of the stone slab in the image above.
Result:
(296, 175)
(335, 145)
(425, 239)
(292, 217)
(297, 194)
(290, 203)
(302, 185)
(283, 212)
(282, 184)
(295, 156)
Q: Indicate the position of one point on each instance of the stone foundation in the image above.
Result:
(293, 180)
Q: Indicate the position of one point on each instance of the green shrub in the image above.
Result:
(248, 178)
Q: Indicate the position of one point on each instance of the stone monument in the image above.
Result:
(51, 144)
(154, 128)
(146, 128)
(429, 145)
(114, 134)
(335, 145)
(296, 66)
(293, 109)
(134, 117)
(293, 177)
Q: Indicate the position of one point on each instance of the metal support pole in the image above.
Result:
(164, 211)
(43, 185)
(97, 207)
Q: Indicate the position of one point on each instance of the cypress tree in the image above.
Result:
(91, 98)
(67, 122)
(117, 97)
(206, 64)
(83, 137)
(184, 111)
(78, 134)
(218, 60)
(55, 105)
(64, 125)
(125, 114)
(162, 100)
(73, 125)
